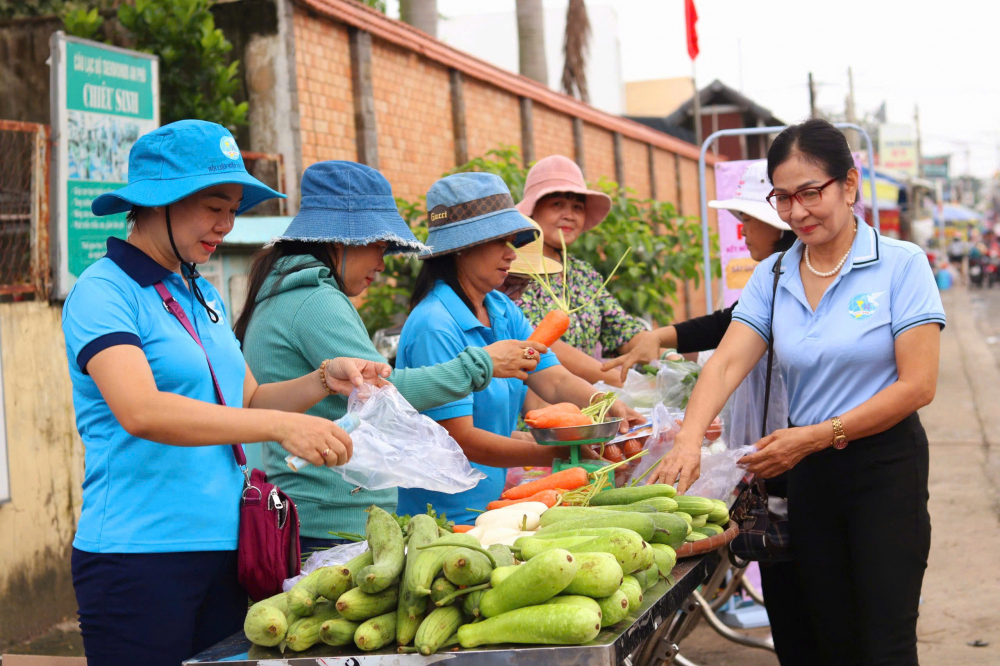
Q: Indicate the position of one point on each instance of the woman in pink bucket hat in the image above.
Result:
(558, 199)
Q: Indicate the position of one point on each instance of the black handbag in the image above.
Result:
(764, 536)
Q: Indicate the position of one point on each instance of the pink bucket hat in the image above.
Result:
(561, 174)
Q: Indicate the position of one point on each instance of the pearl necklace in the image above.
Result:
(840, 264)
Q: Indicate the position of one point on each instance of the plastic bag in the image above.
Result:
(719, 473)
(396, 447)
(665, 428)
(638, 392)
(746, 406)
(326, 558)
(675, 381)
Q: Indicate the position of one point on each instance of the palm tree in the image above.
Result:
(531, 40)
(574, 76)
(421, 14)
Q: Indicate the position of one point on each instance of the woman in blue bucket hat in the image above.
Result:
(473, 226)
(299, 310)
(154, 559)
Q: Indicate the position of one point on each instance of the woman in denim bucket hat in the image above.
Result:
(473, 226)
(299, 311)
(154, 559)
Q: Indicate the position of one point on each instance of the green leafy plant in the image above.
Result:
(195, 79)
(81, 22)
(666, 248)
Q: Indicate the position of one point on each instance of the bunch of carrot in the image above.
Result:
(566, 414)
(556, 322)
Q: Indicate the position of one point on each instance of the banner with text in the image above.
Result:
(105, 98)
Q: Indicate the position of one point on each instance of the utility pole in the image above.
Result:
(852, 135)
(697, 108)
(812, 97)
(916, 122)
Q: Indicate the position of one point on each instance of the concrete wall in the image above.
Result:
(45, 457)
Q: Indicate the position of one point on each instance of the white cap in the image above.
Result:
(750, 197)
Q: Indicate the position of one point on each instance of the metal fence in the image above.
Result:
(24, 209)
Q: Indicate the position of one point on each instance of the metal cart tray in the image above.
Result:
(610, 648)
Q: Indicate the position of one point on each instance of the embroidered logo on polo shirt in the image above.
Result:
(228, 147)
(864, 305)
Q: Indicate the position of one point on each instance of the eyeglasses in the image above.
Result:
(808, 197)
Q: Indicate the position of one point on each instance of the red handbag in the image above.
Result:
(269, 550)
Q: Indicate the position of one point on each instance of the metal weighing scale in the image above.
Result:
(575, 437)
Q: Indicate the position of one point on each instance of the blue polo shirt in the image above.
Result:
(841, 355)
(437, 330)
(141, 496)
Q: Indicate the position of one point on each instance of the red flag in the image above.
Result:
(690, 18)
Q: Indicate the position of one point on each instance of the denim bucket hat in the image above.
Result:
(349, 203)
(467, 209)
(177, 160)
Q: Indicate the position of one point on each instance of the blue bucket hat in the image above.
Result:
(468, 209)
(177, 160)
(349, 203)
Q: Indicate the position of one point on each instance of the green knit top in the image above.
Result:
(301, 319)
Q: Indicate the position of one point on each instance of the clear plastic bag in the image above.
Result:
(327, 558)
(746, 406)
(396, 447)
(638, 392)
(662, 440)
(719, 473)
(675, 381)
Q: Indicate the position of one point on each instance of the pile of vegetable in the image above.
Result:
(566, 414)
(569, 572)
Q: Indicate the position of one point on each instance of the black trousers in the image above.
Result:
(861, 534)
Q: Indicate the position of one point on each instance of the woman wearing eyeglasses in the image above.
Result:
(856, 326)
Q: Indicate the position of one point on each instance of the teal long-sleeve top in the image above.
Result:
(301, 319)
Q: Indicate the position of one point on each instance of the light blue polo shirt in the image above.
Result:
(140, 496)
(841, 355)
(437, 330)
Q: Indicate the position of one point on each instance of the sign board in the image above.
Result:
(936, 166)
(103, 99)
(897, 149)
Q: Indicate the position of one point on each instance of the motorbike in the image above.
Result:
(977, 270)
(993, 271)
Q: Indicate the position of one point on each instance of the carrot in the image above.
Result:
(559, 420)
(550, 328)
(567, 479)
(459, 529)
(547, 497)
(559, 408)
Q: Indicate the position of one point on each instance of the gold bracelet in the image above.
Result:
(322, 377)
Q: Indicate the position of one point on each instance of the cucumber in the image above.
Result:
(720, 514)
(361, 561)
(438, 627)
(357, 606)
(422, 530)
(377, 632)
(470, 603)
(561, 513)
(428, 564)
(632, 494)
(303, 634)
(500, 574)
(665, 557)
(502, 555)
(385, 540)
(640, 577)
(267, 620)
(670, 529)
(632, 589)
(530, 546)
(709, 529)
(628, 548)
(537, 580)
(338, 631)
(687, 519)
(634, 508)
(599, 576)
(440, 588)
(614, 609)
(699, 521)
(640, 523)
(302, 598)
(646, 558)
(584, 531)
(696, 506)
(694, 536)
(559, 624)
(651, 575)
(577, 600)
(465, 567)
(663, 504)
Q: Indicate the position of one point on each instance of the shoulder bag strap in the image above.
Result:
(770, 345)
(174, 308)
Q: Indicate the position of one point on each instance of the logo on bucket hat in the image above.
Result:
(228, 147)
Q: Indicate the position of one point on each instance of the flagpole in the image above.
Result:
(697, 107)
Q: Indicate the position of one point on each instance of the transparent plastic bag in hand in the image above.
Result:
(396, 447)
(746, 406)
(665, 428)
(675, 381)
(638, 392)
(719, 473)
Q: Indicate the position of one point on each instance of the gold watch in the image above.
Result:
(839, 438)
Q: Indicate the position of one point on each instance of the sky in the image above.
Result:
(943, 57)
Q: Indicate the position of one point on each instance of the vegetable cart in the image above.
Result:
(622, 644)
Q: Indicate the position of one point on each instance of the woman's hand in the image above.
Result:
(644, 347)
(312, 438)
(629, 416)
(682, 464)
(343, 375)
(780, 451)
(515, 358)
(522, 436)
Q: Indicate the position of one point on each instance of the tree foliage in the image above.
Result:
(196, 81)
(666, 248)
